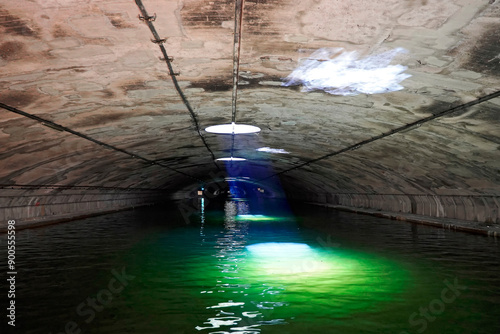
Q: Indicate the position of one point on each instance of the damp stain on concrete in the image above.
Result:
(15, 25)
(12, 50)
(99, 120)
(215, 85)
(18, 99)
(217, 14)
(245, 82)
(485, 55)
(119, 21)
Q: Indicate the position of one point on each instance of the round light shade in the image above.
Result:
(231, 159)
(233, 128)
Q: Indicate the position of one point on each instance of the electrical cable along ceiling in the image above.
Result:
(157, 40)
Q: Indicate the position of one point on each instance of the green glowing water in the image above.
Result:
(225, 286)
(326, 273)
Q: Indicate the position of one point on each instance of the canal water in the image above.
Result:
(233, 268)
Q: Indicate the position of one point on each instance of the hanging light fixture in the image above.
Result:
(231, 159)
(233, 128)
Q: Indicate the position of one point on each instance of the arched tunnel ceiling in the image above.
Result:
(90, 67)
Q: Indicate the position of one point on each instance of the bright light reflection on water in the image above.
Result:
(282, 258)
(280, 250)
(256, 218)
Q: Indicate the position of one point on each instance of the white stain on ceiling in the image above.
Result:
(272, 150)
(340, 72)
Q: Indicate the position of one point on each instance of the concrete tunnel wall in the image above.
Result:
(472, 208)
(380, 193)
(34, 207)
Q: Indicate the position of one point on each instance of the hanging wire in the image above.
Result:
(238, 19)
(406, 127)
(62, 128)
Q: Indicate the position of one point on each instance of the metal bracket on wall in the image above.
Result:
(147, 18)
(159, 41)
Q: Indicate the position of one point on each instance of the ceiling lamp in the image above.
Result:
(231, 159)
(232, 129)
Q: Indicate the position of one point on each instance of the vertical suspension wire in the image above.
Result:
(238, 19)
(238, 23)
